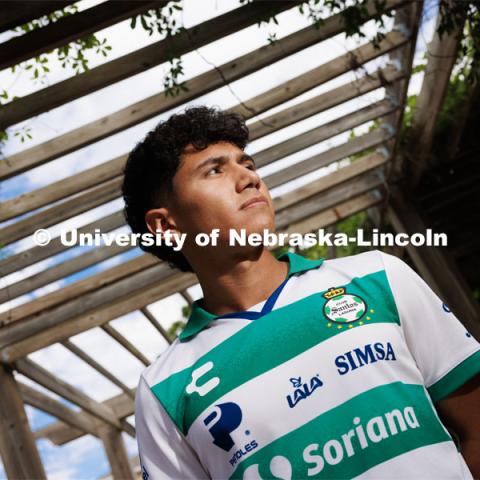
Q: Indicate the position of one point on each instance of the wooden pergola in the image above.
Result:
(370, 183)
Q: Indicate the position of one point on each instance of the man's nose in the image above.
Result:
(247, 179)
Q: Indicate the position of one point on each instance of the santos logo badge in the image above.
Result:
(222, 422)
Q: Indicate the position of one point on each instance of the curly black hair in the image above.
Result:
(152, 164)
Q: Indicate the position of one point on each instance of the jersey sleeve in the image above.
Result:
(445, 352)
(164, 453)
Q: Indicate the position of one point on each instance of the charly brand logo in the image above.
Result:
(225, 419)
(302, 390)
(205, 387)
(345, 310)
(359, 439)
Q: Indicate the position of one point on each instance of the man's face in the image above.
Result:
(211, 188)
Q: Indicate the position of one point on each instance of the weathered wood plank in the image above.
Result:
(53, 407)
(125, 343)
(89, 300)
(198, 86)
(95, 365)
(86, 200)
(70, 28)
(60, 433)
(40, 375)
(138, 61)
(15, 13)
(17, 445)
(33, 255)
(77, 289)
(116, 453)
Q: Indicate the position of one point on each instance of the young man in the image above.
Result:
(289, 368)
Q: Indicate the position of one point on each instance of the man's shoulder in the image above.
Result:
(176, 357)
(340, 269)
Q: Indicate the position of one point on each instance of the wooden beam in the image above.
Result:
(117, 336)
(15, 13)
(124, 304)
(110, 189)
(17, 445)
(151, 318)
(407, 19)
(116, 452)
(325, 101)
(59, 433)
(94, 176)
(62, 189)
(59, 271)
(334, 215)
(441, 56)
(95, 365)
(323, 132)
(87, 200)
(352, 147)
(33, 255)
(92, 299)
(92, 283)
(49, 405)
(70, 28)
(138, 61)
(40, 375)
(205, 83)
(334, 179)
(331, 197)
(435, 264)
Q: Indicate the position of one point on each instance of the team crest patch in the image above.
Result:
(344, 309)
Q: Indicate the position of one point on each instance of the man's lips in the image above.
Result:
(254, 201)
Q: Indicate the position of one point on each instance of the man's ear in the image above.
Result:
(159, 220)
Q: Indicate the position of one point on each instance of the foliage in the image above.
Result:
(453, 15)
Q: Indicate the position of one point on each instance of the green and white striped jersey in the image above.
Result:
(333, 376)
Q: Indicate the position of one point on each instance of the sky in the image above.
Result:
(84, 458)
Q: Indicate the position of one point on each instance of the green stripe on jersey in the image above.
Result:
(268, 342)
(456, 377)
(369, 429)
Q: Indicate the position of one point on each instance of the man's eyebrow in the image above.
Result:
(212, 161)
(221, 160)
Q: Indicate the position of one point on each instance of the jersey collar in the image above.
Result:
(200, 318)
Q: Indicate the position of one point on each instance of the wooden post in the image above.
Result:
(436, 265)
(116, 452)
(17, 445)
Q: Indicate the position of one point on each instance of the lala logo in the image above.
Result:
(302, 390)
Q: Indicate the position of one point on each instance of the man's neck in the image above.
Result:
(237, 284)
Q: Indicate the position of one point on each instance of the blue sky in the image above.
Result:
(85, 458)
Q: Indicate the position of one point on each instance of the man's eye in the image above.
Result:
(251, 166)
(213, 170)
